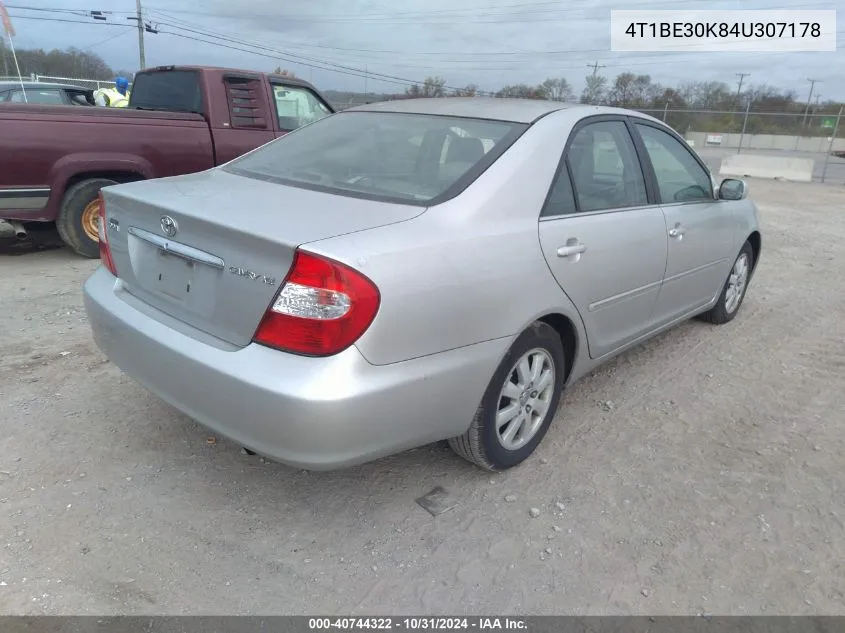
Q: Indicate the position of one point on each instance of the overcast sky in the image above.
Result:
(463, 41)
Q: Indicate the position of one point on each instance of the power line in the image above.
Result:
(357, 72)
(661, 59)
(417, 17)
(323, 64)
(295, 58)
(101, 42)
(245, 50)
(366, 50)
(278, 54)
(98, 23)
(192, 27)
(181, 23)
(414, 17)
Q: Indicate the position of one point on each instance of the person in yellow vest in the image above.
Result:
(117, 97)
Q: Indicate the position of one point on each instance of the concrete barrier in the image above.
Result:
(774, 142)
(772, 167)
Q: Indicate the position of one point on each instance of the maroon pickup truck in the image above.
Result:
(55, 159)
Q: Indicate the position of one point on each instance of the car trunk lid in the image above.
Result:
(212, 249)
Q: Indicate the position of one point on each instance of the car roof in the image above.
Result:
(38, 84)
(493, 108)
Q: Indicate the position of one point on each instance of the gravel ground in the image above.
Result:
(699, 473)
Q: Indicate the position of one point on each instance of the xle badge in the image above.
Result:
(243, 272)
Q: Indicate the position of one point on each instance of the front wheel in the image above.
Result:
(79, 214)
(519, 403)
(733, 292)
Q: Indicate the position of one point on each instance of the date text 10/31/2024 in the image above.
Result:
(418, 623)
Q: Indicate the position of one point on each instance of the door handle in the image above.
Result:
(571, 249)
(677, 232)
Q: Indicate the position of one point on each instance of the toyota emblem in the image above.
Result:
(169, 226)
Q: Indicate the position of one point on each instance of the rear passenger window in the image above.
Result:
(561, 198)
(245, 103)
(606, 173)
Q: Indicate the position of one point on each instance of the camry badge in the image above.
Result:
(248, 274)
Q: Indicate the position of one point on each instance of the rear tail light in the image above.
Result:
(105, 249)
(322, 308)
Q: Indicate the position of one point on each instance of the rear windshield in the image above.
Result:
(168, 90)
(409, 158)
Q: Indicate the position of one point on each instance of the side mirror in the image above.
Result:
(733, 189)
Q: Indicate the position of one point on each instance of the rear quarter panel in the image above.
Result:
(47, 149)
(468, 270)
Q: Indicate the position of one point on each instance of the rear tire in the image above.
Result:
(733, 292)
(77, 221)
(532, 391)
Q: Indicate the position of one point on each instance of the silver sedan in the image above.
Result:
(412, 271)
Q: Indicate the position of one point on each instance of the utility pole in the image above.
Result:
(739, 88)
(813, 83)
(140, 34)
(3, 55)
(595, 66)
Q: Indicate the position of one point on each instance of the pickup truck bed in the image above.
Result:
(64, 144)
(56, 159)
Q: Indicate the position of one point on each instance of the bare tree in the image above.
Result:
(558, 89)
(522, 91)
(68, 63)
(470, 90)
(431, 87)
(595, 91)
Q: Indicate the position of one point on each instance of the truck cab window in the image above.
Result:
(297, 106)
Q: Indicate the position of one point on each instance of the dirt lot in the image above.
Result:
(700, 473)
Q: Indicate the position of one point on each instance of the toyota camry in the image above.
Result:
(412, 271)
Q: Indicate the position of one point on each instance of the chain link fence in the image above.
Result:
(715, 134)
(93, 84)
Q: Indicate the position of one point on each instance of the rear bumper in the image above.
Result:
(313, 413)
